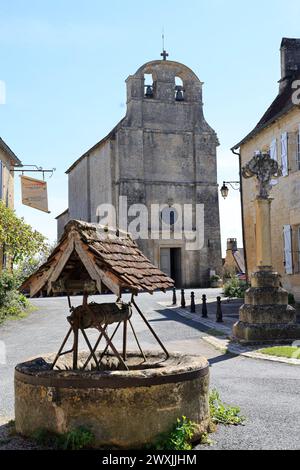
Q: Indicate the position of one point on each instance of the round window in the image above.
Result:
(169, 215)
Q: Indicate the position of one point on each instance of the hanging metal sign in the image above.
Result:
(34, 193)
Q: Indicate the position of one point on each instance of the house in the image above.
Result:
(8, 160)
(278, 132)
(234, 262)
(161, 154)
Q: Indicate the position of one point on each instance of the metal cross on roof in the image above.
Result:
(164, 55)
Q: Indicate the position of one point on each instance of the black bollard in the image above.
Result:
(182, 299)
(193, 306)
(204, 307)
(174, 296)
(219, 316)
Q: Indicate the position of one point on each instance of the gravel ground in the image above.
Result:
(267, 393)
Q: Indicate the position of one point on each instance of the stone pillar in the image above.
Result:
(263, 233)
(266, 316)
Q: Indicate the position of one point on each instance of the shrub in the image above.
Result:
(12, 303)
(291, 299)
(235, 288)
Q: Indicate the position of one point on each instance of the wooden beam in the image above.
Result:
(89, 263)
(66, 253)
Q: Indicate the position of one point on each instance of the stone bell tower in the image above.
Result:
(161, 153)
(167, 155)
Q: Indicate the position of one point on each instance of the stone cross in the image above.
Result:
(264, 168)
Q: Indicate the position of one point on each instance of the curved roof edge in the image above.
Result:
(10, 153)
(167, 62)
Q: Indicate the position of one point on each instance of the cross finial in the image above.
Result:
(164, 55)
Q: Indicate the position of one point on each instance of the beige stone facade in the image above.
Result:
(279, 133)
(8, 160)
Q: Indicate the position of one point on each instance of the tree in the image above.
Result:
(17, 238)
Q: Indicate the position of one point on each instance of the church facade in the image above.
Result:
(161, 154)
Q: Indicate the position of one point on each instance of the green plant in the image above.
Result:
(179, 438)
(18, 238)
(77, 439)
(235, 288)
(12, 303)
(291, 299)
(221, 413)
(214, 278)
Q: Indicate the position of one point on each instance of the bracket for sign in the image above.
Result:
(37, 169)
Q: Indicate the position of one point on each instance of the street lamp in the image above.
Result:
(225, 190)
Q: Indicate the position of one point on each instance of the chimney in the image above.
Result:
(231, 244)
(290, 60)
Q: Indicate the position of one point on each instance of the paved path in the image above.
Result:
(268, 393)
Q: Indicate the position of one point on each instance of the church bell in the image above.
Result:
(179, 93)
(149, 91)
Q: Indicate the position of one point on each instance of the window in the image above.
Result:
(169, 216)
(148, 85)
(284, 154)
(179, 90)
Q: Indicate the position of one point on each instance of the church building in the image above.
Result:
(162, 153)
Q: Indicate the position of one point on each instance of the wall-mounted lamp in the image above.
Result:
(225, 190)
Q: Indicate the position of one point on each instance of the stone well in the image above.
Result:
(123, 409)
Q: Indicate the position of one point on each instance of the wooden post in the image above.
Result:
(193, 306)
(182, 299)
(204, 307)
(219, 316)
(174, 296)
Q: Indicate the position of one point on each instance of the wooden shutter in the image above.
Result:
(284, 154)
(273, 149)
(288, 256)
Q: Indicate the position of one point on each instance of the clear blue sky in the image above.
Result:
(65, 61)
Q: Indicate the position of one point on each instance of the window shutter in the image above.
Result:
(284, 154)
(1, 179)
(273, 149)
(288, 258)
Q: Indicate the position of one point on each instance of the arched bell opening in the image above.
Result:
(148, 85)
(179, 90)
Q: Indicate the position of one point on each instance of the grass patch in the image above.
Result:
(282, 351)
(77, 439)
(214, 332)
(223, 414)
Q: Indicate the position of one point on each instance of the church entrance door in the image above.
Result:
(170, 263)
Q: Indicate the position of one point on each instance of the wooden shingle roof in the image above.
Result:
(91, 252)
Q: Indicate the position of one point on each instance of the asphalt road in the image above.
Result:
(267, 393)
